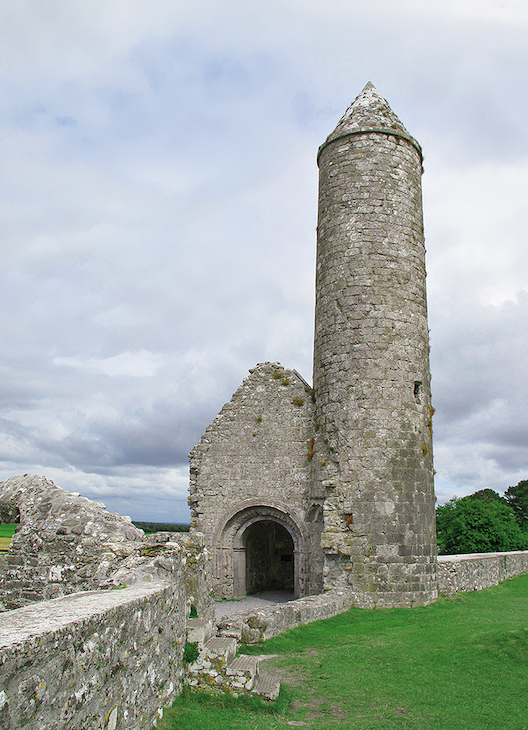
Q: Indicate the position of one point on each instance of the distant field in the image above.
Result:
(150, 527)
(7, 530)
(6, 533)
(459, 664)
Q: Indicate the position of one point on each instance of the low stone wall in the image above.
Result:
(455, 573)
(476, 571)
(101, 659)
(255, 626)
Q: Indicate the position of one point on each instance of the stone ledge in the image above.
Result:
(22, 624)
(255, 626)
(477, 556)
(475, 571)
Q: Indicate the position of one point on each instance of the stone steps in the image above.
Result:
(243, 669)
(199, 630)
(267, 686)
(218, 670)
(221, 647)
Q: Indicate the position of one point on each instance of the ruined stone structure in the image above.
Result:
(323, 491)
(250, 490)
(67, 544)
(333, 487)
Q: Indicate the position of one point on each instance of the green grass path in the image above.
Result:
(459, 664)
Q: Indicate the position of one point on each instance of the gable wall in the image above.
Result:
(257, 452)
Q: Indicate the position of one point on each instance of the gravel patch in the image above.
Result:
(259, 600)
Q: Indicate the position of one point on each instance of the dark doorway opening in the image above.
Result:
(269, 557)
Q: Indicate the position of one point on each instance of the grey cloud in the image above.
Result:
(66, 121)
(480, 388)
(177, 219)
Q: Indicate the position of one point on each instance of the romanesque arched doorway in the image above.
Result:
(270, 557)
(260, 548)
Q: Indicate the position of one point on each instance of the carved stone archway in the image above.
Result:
(231, 543)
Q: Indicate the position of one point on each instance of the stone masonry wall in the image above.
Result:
(67, 543)
(254, 462)
(258, 625)
(455, 573)
(101, 659)
(92, 659)
(373, 451)
(256, 447)
(59, 546)
(196, 569)
(478, 570)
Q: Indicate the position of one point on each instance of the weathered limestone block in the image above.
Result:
(100, 659)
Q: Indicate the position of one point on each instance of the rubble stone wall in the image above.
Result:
(478, 570)
(196, 570)
(258, 625)
(67, 543)
(60, 546)
(455, 573)
(102, 659)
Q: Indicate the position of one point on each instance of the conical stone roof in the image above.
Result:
(370, 112)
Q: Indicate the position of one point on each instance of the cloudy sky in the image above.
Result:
(158, 194)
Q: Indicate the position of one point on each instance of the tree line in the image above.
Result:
(484, 522)
(150, 527)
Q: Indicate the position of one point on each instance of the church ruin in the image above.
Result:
(329, 487)
(325, 490)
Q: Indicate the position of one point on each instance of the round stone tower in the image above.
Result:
(373, 462)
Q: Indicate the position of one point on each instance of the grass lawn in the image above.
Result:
(459, 664)
(6, 533)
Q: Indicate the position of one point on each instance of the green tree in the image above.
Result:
(478, 523)
(517, 498)
(488, 495)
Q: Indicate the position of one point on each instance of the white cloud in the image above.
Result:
(140, 364)
(476, 217)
